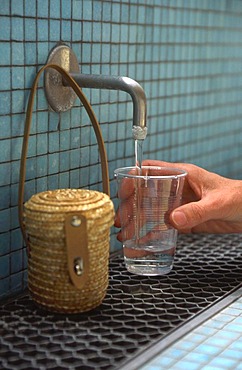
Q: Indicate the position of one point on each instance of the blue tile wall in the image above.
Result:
(185, 53)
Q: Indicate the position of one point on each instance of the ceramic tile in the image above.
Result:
(217, 341)
(220, 350)
(5, 150)
(5, 102)
(4, 245)
(41, 165)
(16, 240)
(14, 223)
(30, 8)
(52, 182)
(87, 10)
(30, 52)
(53, 122)
(74, 179)
(223, 363)
(55, 7)
(97, 11)
(31, 168)
(5, 28)
(64, 161)
(41, 184)
(53, 164)
(115, 33)
(42, 30)
(53, 142)
(5, 268)
(16, 261)
(188, 365)
(96, 53)
(55, 30)
(125, 13)
(87, 156)
(4, 197)
(42, 144)
(4, 285)
(17, 101)
(30, 27)
(39, 122)
(236, 346)
(5, 8)
(231, 354)
(17, 78)
(77, 9)
(14, 172)
(64, 180)
(234, 327)
(66, 8)
(17, 30)
(13, 195)
(4, 174)
(76, 32)
(41, 98)
(17, 6)
(5, 127)
(75, 158)
(65, 29)
(16, 282)
(64, 121)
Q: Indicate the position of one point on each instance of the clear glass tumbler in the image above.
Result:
(146, 198)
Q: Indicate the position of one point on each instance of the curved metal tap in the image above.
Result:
(54, 85)
(126, 84)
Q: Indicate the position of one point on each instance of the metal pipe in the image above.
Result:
(126, 84)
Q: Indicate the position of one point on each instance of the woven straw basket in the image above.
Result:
(67, 233)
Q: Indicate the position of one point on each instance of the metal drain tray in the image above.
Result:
(137, 312)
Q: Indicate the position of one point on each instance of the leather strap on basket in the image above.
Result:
(104, 165)
(77, 257)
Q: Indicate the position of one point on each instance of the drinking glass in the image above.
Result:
(147, 196)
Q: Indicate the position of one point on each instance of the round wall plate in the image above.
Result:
(60, 97)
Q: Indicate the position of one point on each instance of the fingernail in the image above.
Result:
(179, 218)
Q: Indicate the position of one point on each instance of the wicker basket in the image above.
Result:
(45, 220)
(67, 235)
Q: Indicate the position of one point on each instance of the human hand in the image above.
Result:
(211, 203)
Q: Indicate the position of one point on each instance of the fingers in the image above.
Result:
(126, 188)
(131, 223)
(190, 215)
(152, 235)
(154, 162)
(127, 184)
(124, 212)
(196, 181)
(117, 221)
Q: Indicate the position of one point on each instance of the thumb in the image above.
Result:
(192, 214)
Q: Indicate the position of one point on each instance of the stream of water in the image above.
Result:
(138, 165)
(138, 154)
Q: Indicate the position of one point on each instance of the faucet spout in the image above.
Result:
(61, 98)
(132, 87)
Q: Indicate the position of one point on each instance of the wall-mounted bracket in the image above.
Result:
(60, 97)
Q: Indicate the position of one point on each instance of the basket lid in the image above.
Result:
(68, 200)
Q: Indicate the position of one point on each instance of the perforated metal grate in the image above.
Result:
(136, 313)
